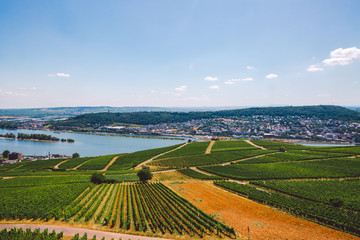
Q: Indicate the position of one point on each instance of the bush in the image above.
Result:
(75, 155)
(97, 178)
(144, 175)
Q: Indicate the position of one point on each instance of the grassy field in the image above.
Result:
(293, 155)
(208, 159)
(190, 149)
(131, 160)
(320, 191)
(97, 163)
(73, 162)
(338, 167)
(231, 145)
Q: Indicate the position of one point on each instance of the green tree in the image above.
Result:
(97, 178)
(75, 155)
(144, 175)
(6, 153)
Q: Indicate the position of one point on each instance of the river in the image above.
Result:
(87, 145)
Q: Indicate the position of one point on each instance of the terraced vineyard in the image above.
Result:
(207, 159)
(316, 183)
(231, 145)
(143, 207)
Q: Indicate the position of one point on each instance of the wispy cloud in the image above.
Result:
(271, 76)
(59, 75)
(342, 56)
(214, 87)
(181, 88)
(13, 94)
(250, 68)
(314, 68)
(234, 80)
(211, 79)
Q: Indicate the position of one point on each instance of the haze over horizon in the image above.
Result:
(179, 53)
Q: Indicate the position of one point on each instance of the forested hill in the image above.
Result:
(144, 118)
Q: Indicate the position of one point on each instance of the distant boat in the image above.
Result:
(56, 132)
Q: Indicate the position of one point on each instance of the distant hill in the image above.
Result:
(75, 111)
(145, 118)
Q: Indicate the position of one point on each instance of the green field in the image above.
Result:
(73, 162)
(190, 149)
(293, 155)
(130, 160)
(231, 145)
(320, 191)
(338, 167)
(207, 159)
(40, 181)
(97, 163)
(44, 202)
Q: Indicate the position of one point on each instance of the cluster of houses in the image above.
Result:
(257, 127)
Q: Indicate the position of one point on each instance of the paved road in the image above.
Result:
(71, 231)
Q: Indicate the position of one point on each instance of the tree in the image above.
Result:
(144, 175)
(6, 153)
(75, 155)
(282, 149)
(97, 178)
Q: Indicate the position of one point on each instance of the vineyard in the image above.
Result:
(293, 155)
(143, 207)
(231, 145)
(316, 183)
(190, 149)
(320, 191)
(335, 167)
(207, 159)
(130, 160)
(336, 217)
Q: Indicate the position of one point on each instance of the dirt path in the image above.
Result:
(251, 143)
(149, 160)
(110, 163)
(208, 150)
(57, 166)
(71, 231)
(263, 222)
(203, 172)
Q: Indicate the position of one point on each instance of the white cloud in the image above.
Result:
(342, 56)
(214, 87)
(234, 80)
(314, 68)
(271, 76)
(250, 68)
(337, 61)
(323, 95)
(181, 88)
(346, 53)
(211, 79)
(58, 75)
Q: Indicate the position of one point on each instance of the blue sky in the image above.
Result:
(179, 53)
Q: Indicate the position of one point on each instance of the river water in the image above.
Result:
(87, 145)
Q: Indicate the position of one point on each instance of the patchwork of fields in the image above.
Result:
(316, 183)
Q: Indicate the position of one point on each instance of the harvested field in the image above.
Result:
(264, 222)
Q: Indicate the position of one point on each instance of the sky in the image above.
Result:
(187, 53)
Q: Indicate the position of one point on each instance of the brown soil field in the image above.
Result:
(262, 221)
(170, 176)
